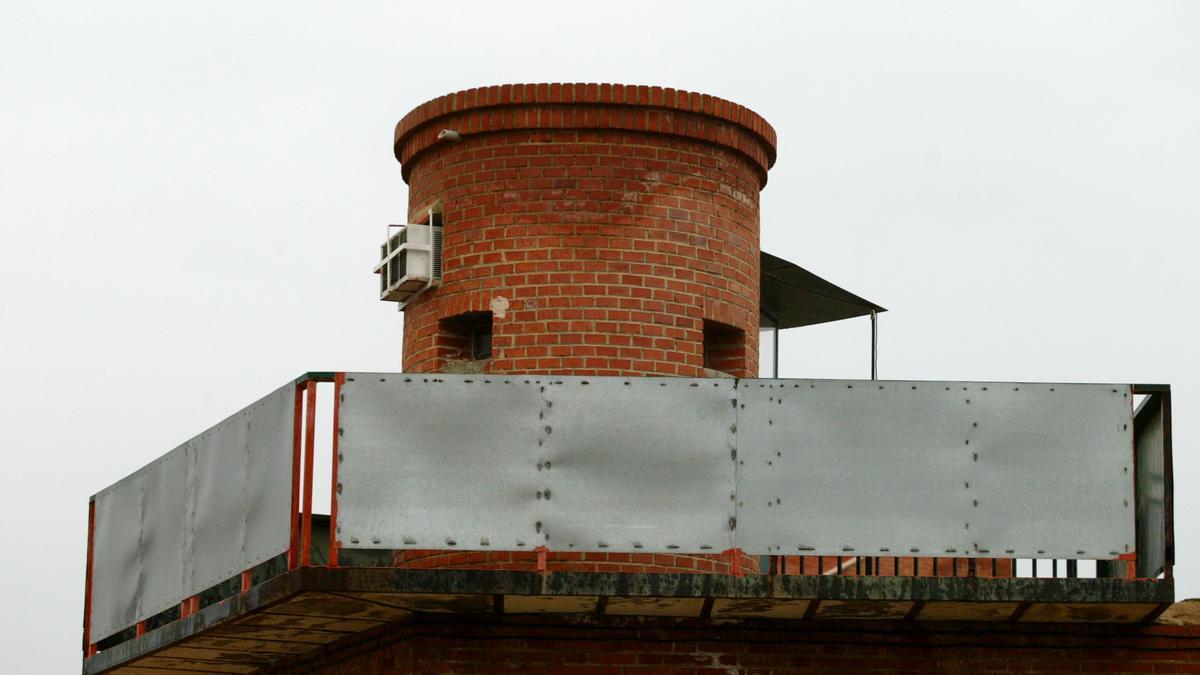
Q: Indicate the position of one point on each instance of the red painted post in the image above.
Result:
(294, 546)
(734, 555)
(310, 431)
(541, 558)
(140, 630)
(334, 544)
(88, 648)
(189, 606)
(247, 581)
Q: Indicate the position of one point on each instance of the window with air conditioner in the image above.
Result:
(410, 259)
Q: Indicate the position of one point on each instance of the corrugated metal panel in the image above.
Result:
(934, 468)
(179, 525)
(515, 462)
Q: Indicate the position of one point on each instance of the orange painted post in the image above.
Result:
(734, 555)
(247, 581)
(310, 431)
(541, 558)
(141, 629)
(294, 546)
(334, 544)
(88, 648)
(189, 606)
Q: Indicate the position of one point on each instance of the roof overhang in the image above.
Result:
(791, 297)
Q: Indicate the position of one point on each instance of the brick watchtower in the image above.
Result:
(589, 229)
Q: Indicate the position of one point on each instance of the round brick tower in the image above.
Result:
(588, 229)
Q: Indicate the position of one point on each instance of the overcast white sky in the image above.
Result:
(191, 199)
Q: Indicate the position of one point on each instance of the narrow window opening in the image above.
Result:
(465, 341)
(724, 349)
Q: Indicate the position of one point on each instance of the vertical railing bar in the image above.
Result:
(297, 422)
(310, 432)
(896, 566)
(1072, 569)
(334, 487)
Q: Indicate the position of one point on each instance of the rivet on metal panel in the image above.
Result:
(537, 527)
(733, 429)
(451, 542)
(673, 547)
(484, 542)
(638, 544)
(884, 549)
(733, 523)
(914, 549)
(967, 485)
(974, 456)
(547, 465)
(974, 502)
(968, 442)
(813, 548)
(408, 541)
(354, 540)
(601, 544)
(1079, 552)
(951, 550)
(548, 430)
(547, 495)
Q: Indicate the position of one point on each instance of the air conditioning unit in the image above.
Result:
(410, 262)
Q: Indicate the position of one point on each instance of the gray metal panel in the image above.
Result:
(269, 477)
(219, 502)
(511, 462)
(637, 464)
(178, 525)
(934, 468)
(163, 540)
(115, 556)
(437, 461)
(1151, 491)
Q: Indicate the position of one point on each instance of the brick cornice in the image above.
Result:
(590, 106)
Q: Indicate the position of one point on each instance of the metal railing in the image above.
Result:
(538, 465)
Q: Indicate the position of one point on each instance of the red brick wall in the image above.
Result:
(593, 561)
(614, 221)
(612, 646)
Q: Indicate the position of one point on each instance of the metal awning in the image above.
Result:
(791, 297)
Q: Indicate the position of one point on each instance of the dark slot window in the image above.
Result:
(466, 337)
